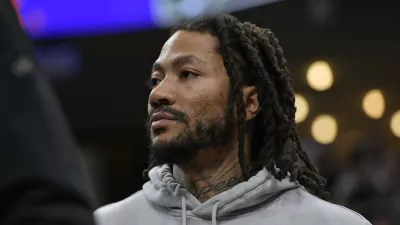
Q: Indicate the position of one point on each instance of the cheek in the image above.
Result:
(208, 105)
(208, 99)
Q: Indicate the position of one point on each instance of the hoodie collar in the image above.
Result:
(163, 190)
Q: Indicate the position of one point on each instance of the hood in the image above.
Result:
(163, 190)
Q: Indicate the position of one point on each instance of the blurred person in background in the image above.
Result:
(224, 144)
(370, 184)
(41, 181)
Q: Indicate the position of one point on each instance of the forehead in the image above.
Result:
(198, 44)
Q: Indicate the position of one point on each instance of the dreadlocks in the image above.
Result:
(253, 56)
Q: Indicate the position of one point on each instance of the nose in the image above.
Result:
(162, 94)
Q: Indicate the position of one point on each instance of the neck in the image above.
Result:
(205, 178)
(206, 182)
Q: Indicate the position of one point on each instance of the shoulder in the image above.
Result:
(117, 212)
(322, 211)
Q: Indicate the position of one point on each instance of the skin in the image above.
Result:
(189, 75)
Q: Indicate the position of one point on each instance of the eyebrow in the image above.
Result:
(179, 62)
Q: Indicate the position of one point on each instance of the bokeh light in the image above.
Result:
(395, 123)
(374, 104)
(302, 108)
(320, 76)
(324, 129)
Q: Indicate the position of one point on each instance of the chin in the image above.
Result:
(168, 149)
(167, 132)
(163, 137)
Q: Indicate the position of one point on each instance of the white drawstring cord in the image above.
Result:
(214, 214)
(183, 210)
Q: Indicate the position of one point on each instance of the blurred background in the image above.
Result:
(343, 56)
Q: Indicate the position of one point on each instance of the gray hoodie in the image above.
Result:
(262, 200)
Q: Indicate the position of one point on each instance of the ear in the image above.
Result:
(250, 100)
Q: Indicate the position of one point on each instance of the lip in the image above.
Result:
(161, 119)
(161, 116)
(161, 123)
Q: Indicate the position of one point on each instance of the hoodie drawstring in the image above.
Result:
(183, 210)
(213, 217)
(214, 214)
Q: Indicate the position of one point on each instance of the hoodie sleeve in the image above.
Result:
(40, 175)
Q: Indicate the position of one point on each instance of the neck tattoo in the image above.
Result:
(205, 188)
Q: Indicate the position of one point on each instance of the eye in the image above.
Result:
(153, 82)
(188, 74)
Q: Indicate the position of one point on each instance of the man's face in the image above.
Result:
(190, 106)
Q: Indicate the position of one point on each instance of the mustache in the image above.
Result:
(179, 115)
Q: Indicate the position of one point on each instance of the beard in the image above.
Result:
(207, 133)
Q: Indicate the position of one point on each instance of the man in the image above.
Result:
(41, 182)
(224, 144)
